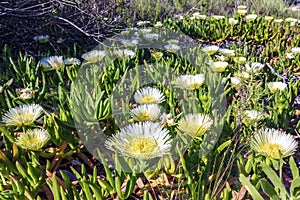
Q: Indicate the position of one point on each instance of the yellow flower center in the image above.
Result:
(33, 140)
(194, 85)
(142, 145)
(24, 119)
(145, 116)
(147, 99)
(272, 150)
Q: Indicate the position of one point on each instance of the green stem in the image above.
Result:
(7, 134)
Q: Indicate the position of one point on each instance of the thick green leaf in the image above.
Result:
(250, 188)
(268, 189)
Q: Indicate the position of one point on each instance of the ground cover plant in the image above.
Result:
(193, 107)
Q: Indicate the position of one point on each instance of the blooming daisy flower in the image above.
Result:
(219, 66)
(130, 43)
(232, 21)
(235, 81)
(210, 50)
(173, 41)
(269, 18)
(195, 125)
(93, 56)
(278, 20)
(218, 17)
(189, 82)
(144, 140)
(172, 47)
(33, 139)
(148, 95)
(242, 11)
(22, 115)
(289, 19)
(158, 24)
(126, 53)
(242, 75)
(52, 63)
(252, 117)
(274, 86)
(295, 50)
(146, 112)
(227, 52)
(251, 17)
(272, 143)
(240, 60)
(254, 67)
(72, 61)
(151, 36)
(197, 15)
(289, 55)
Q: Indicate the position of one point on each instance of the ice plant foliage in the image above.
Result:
(146, 112)
(148, 95)
(33, 139)
(144, 140)
(195, 125)
(189, 82)
(22, 115)
(272, 143)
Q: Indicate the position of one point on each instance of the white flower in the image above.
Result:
(219, 66)
(41, 38)
(148, 95)
(295, 50)
(242, 12)
(189, 82)
(217, 17)
(252, 117)
(210, 50)
(126, 53)
(22, 115)
(242, 75)
(142, 23)
(197, 15)
(289, 19)
(146, 112)
(235, 81)
(145, 140)
(251, 17)
(227, 52)
(240, 60)
(255, 67)
(93, 56)
(195, 125)
(52, 63)
(172, 47)
(33, 139)
(173, 41)
(289, 55)
(145, 30)
(274, 86)
(272, 143)
(269, 18)
(278, 20)
(151, 36)
(72, 61)
(130, 43)
(233, 21)
(25, 93)
(158, 24)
